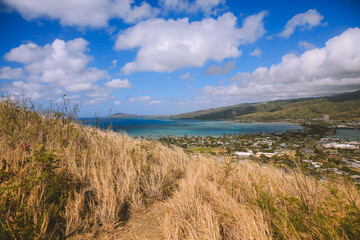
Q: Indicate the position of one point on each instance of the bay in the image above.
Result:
(179, 127)
(348, 134)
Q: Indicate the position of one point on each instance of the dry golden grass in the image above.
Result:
(200, 210)
(257, 202)
(113, 174)
(105, 177)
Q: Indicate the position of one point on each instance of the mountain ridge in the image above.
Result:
(344, 106)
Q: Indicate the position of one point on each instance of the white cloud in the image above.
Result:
(154, 102)
(256, 52)
(117, 102)
(34, 90)
(25, 53)
(94, 101)
(62, 64)
(206, 6)
(181, 103)
(140, 99)
(306, 20)
(219, 70)
(332, 69)
(56, 69)
(167, 45)
(118, 83)
(114, 63)
(306, 45)
(94, 13)
(145, 100)
(11, 73)
(185, 76)
(74, 97)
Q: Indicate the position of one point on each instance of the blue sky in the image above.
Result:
(174, 56)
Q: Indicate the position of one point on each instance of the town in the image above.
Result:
(314, 148)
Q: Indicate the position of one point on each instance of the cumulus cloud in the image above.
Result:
(167, 45)
(94, 13)
(306, 20)
(321, 71)
(35, 90)
(206, 6)
(306, 45)
(219, 70)
(11, 73)
(56, 69)
(25, 53)
(256, 52)
(60, 63)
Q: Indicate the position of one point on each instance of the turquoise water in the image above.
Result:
(179, 127)
(348, 134)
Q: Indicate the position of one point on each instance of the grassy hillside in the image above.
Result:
(59, 180)
(343, 106)
(312, 108)
(219, 113)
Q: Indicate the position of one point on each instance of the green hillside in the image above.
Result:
(344, 106)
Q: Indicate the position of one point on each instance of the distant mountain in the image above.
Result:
(345, 106)
(124, 115)
(128, 115)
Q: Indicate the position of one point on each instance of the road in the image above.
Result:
(308, 150)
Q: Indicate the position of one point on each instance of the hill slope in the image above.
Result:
(62, 180)
(342, 106)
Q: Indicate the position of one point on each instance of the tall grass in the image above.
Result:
(257, 202)
(107, 175)
(59, 178)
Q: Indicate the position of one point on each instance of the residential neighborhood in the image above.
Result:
(315, 148)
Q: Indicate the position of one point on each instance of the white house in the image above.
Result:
(244, 154)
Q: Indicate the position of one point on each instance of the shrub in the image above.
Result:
(32, 201)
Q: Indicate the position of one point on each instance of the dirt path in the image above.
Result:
(143, 225)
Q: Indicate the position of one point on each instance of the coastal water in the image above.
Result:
(348, 134)
(179, 127)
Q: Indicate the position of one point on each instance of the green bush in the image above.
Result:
(41, 215)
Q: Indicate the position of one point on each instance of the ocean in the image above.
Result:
(179, 127)
(348, 134)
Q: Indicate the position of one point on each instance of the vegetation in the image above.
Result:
(343, 107)
(204, 150)
(60, 179)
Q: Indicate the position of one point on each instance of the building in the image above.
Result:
(326, 118)
(339, 145)
(243, 154)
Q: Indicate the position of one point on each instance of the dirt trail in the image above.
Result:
(143, 225)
